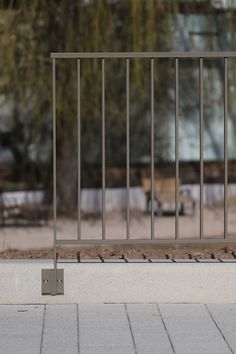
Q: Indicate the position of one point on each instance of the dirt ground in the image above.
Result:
(129, 252)
(28, 241)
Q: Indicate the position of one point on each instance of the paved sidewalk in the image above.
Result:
(118, 329)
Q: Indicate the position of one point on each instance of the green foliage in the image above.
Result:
(30, 30)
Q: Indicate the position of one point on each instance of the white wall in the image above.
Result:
(91, 199)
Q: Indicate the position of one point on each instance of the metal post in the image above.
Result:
(79, 152)
(103, 153)
(225, 148)
(201, 143)
(53, 279)
(176, 148)
(127, 154)
(152, 149)
(54, 175)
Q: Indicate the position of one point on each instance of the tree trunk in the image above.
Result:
(67, 173)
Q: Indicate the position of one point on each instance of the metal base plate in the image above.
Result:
(52, 281)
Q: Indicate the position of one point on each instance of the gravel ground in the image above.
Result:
(129, 252)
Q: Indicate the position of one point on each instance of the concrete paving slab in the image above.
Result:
(114, 261)
(107, 350)
(145, 318)
(225, 317)
(185, 260)
(97, 260)
(60, 333)
(21, 328)
(229, 260)
(90, 309)
(208, 260)
(138, 260)
(105, 329)
(154, 260)
(192, 330)
(118, 329)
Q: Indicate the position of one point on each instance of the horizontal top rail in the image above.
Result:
(135, 55)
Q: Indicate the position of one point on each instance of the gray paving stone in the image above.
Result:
(97, 260)
(192, 330)
(107, 350)
(161, 260)
(178, 260)
(225, 317)
(105, 329)
(60, 330)
(130, 260)
(114, 261)
(101, 309)
(208, 260)
(229, 260)
(118, 329)
(149, 333)
(20, 328)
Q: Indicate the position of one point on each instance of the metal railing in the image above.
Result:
(176, 56)
(127, 57)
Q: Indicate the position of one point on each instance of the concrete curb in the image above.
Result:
(20, 282)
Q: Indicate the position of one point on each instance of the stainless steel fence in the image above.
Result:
(153, 57)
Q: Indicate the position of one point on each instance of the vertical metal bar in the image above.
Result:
(54, 160)
(79, 152)
(54, 175)
(201, 142)
(127, 154)
(103, 153)
(225, 148)
(176, 148)
(152, 149)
